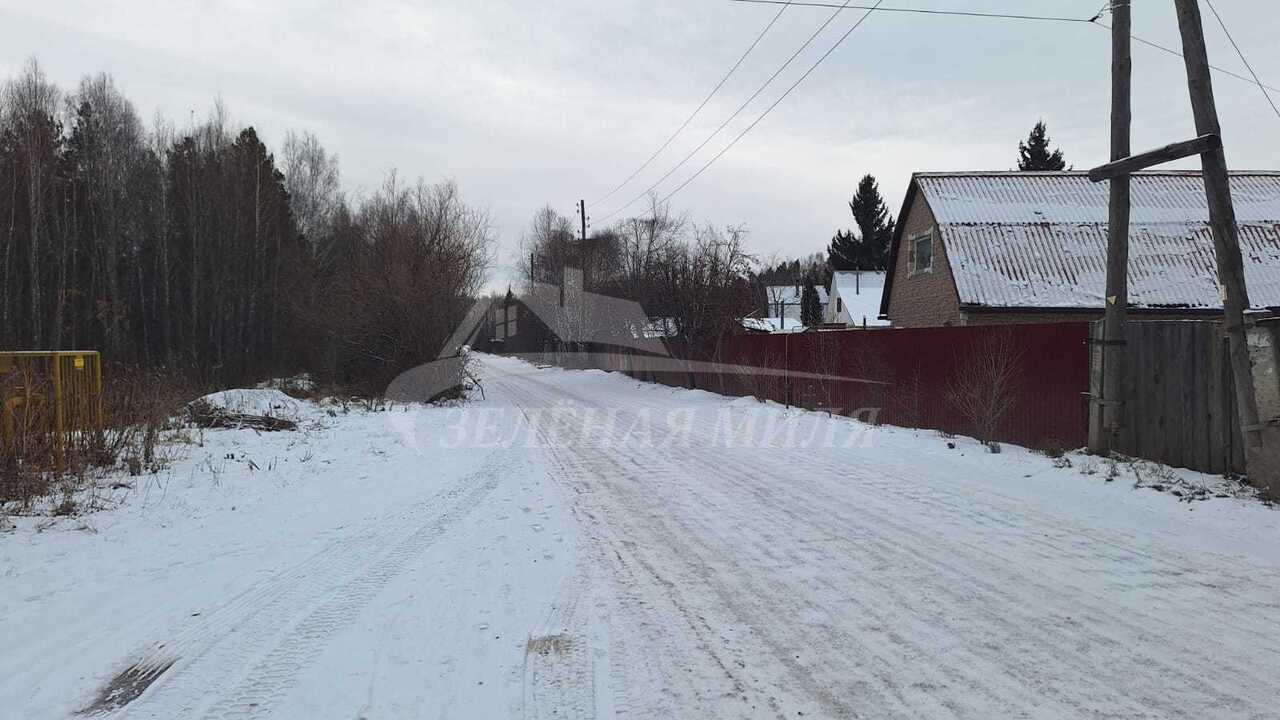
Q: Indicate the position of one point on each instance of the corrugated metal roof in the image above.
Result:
(1039, 239)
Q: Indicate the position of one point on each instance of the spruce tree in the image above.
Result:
(810, 307)
(1034, 155)
(875, 227)
(844, 251)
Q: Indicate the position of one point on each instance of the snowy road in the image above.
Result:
(580, 545)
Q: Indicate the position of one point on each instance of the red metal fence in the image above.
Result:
(906, 375)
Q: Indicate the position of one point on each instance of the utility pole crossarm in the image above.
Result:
(1159, 156)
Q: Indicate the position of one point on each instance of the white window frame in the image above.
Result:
(915, 243)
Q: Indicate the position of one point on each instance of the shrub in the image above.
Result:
(138, 404)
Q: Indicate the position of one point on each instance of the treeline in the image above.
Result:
(695, 277)
(202, 249)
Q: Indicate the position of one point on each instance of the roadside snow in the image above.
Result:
(583, 545)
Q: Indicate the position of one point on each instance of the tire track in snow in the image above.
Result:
(913, 547)
(638, 593)
(254, 631)
(884, 513)
(271, 677)
(1094, 544)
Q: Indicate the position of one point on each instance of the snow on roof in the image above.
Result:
(789, 294)
(857, 282)
(1039, 239)
(860, 293)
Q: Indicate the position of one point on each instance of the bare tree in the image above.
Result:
(986, 383)
(314, 185)
(547, 247)
(422, 259)
(108, 145)
(31, 105)
(646, 243)
(705, 284)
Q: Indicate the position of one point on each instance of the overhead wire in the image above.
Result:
(731, 118)
(1095, 20)
(1243, 59)
(921, 11)
(696, 110)
(1175, 53)
(775, 104)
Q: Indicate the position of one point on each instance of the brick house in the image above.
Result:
(982, 248)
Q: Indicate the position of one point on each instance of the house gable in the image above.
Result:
(855, 297)
(914, 296)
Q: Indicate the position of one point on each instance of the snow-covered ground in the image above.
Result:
(581, 545)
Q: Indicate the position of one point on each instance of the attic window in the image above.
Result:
(922, 253)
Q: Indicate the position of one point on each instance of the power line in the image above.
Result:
(919, 11)
(1095, 20)
(697, 110)
(1175, 53)
(1239, 52)
(775, 104)
(730, 119)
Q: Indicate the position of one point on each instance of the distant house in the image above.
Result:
(854, 299)
(1007, 247)
(783, 301)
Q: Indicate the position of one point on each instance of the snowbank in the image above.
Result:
(259, 401)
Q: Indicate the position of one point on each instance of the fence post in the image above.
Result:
(58, 421)
(97, 380)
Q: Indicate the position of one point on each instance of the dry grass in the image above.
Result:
(140, 405)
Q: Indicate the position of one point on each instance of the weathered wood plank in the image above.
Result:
(1158, 354)
(1218, 433)
(1197, 382)
(1141, 388)
(1139, 391)
(1187, 382)
(1179, 407)
(1174, 151)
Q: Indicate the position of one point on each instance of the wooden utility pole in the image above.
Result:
(582, 213)
(1117, 293)
(1226, 244)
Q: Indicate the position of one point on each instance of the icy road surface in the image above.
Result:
(580, 545)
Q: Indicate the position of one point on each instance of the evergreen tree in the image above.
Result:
(875, 226)
(844, 251)
(1034, 155)
(810, 307)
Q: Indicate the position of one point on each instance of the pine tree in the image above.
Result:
(1034, 155)
(875, 226)
(810, 307)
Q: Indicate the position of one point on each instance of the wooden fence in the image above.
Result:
(1179, 401)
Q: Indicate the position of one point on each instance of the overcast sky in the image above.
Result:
(525, 103)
